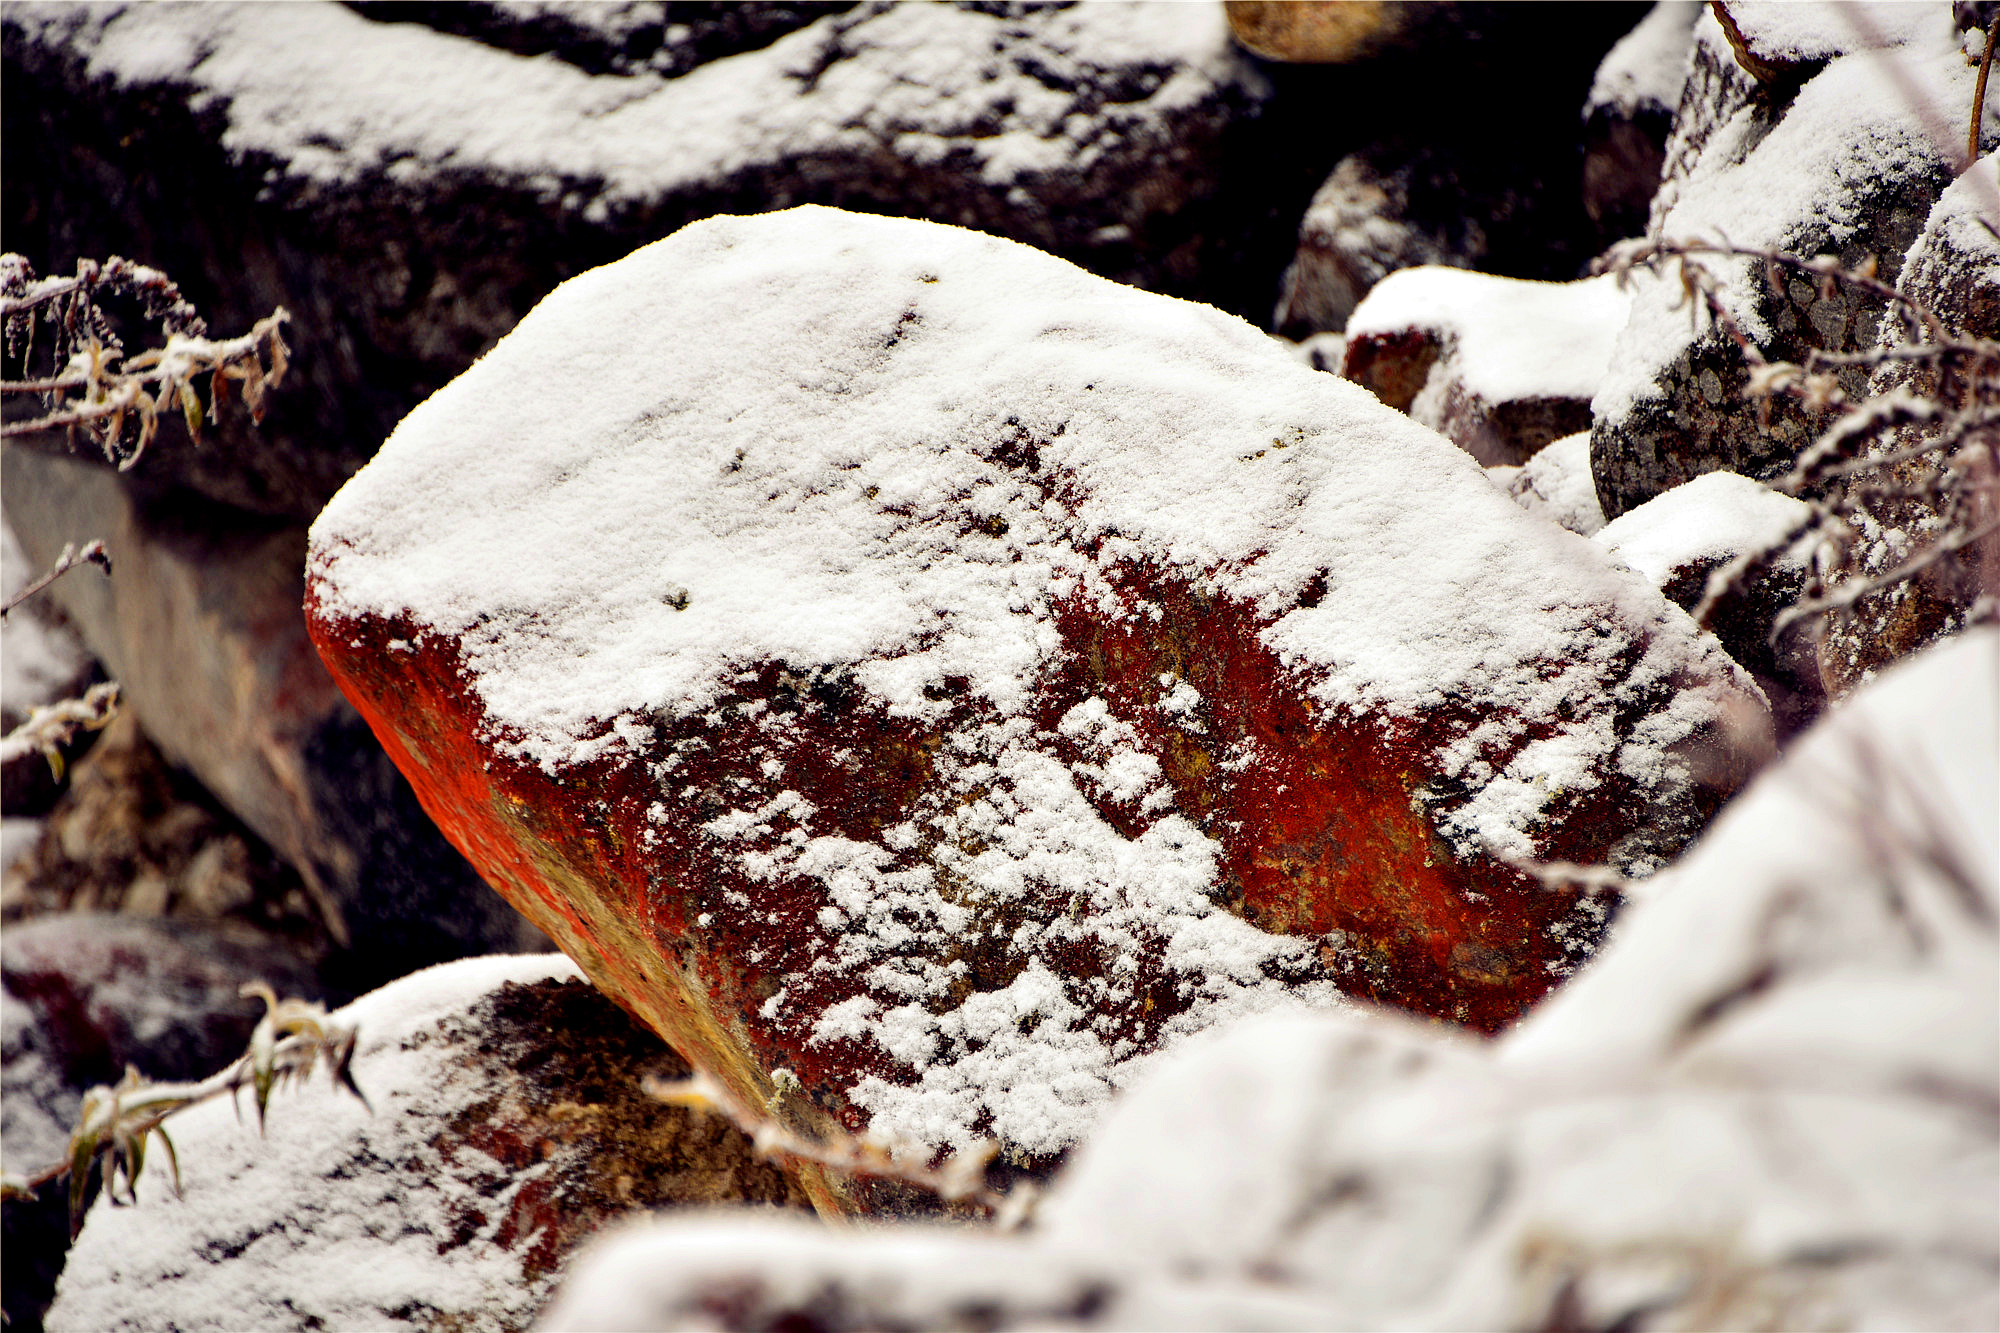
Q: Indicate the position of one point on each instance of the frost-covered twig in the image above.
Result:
(115, 1122)
(110, 390)
(51, 726)
(92, 554)
(962, 1178)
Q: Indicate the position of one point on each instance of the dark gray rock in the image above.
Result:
(1839, 167)
(1630, 115)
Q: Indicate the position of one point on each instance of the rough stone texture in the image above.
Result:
(1768, 1103)
(83, 996)
(509, 1125)
(1955, 270)
(200, 627)
(708, 855)
(1679, 539)
(1499, 367)
(1839, 167)
(406, 236)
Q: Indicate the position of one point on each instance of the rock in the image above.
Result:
(1557, 485)
(81, 997)
(1325, 32)
(1629, 116)
(1448, 182)
(1769, 1100)
(408, 220)
(200, 627)
(508, 1125)
(1954, 269)
(1498, 366)
(1018, 673)
(1679, 539)
(1843, 168)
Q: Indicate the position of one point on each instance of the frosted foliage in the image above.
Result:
(1710, 519)
(333, 1218)
(336, 96)
(1850, 127)
(1765, 1104)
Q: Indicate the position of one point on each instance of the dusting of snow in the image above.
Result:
(1503, 339)
(361, 1247)
(1710, 519)
(1646, 68)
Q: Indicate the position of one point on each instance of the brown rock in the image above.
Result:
(510, 1125)
(967, 725)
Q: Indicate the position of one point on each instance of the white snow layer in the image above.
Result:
(1851, 124)
(357, 1242)
(1649, 64)
(1768, 1102)
(1503, 339)
(334, 95)
(1556, 484)
(1710, 519)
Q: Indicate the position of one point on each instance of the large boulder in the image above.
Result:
(891, 655)
(410, 193)
(1767, 1103)
(1629, 116)
(200, 627)
(1498, 366)
(1817, 152)
(508, 1124)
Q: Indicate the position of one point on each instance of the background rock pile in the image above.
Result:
(1115, 670)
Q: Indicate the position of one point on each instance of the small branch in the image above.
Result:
(91, 554)
(962, 1178)
(52, 726)
(1979, 94)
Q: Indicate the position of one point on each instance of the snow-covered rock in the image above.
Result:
(506, 1123)
(410, 193)
(1556, 484)
(1498, 366)
(1769, 1101)
(1013, 672)
(1679, 539)
(1846, 167)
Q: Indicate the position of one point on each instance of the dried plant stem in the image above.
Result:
(92, 554)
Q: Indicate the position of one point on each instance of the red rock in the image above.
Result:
(891, 655)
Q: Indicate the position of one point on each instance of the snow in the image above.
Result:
(38, 660)
(1556, 483)
(1648, 65)
(1810, 176)
(1782, 29)
(1711, 519)
(1504, 339)
(1767, 1102)
(335, 96)
(334, 1217)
